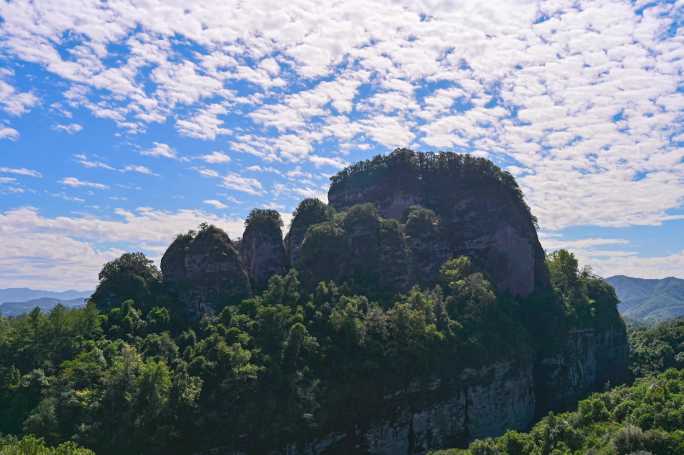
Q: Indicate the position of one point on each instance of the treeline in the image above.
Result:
(30, 445)
(127, 374)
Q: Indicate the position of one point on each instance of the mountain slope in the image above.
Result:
(26, 294)
(649, 300)
(44, 303)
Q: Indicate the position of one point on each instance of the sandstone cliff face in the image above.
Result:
(478, 403)
(589, 361)
(480, 210)
(487, 401)
(206, 271)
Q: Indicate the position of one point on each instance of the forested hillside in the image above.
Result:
(649, 300)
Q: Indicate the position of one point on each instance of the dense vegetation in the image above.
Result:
(119, 377)
(656, 348)
(30, 445)
(587, 299)
(128, 373)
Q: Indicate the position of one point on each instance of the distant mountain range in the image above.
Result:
(16, 301)
(45, 304)
(641, 299)
(649, 300)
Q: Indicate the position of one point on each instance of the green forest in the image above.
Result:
(138, 377)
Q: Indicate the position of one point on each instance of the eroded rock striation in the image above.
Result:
(589, 360)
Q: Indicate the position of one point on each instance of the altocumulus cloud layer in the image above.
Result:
(582, 101)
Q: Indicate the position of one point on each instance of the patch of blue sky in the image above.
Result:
(646, 241)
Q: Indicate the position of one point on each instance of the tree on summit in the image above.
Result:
(131, 276)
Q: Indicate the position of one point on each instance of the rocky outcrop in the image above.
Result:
(477, 403)
(479, 207)
(486, 401)
(205, 271)
(589, 360)
(261, 249)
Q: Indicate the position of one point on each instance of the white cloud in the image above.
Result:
(234, 181)
(8, 133)
(266, 169)
(14, 102)
(71, 128)
(160, 150)
(215, 203)
(205, 124)
(237, 182)
(207, 172)
(137, 168)
(215, 158)
(67, 197)
(21, 171)
(319, 161)
(76, 183)
(86, 162)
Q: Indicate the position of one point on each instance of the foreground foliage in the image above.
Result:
(645, 418)
(128, 374)
(130, 378)
(31, 445)
(656, 348)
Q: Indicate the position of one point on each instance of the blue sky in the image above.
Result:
(122, 125)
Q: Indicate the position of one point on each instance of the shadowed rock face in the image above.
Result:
(480, 212)
(589, 360)
(478, 403)
(206, 271)
(261, 249)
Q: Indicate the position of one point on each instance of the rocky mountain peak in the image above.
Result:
(391, 223)
(261, 249)
(479, 211)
